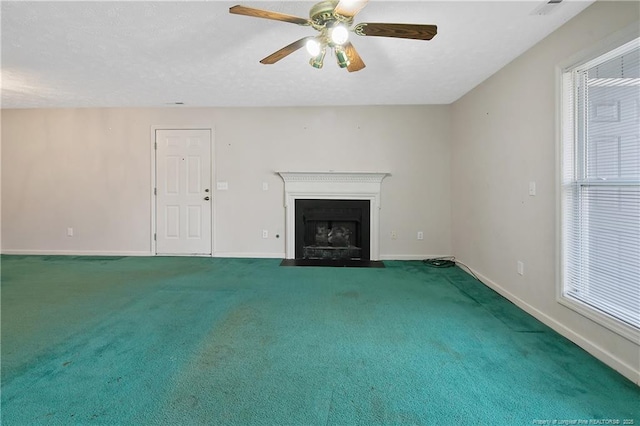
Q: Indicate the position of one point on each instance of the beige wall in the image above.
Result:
(503, 137)
(90, 169)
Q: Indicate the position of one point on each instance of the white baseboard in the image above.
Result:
(75, 253)
(629, 371)
(131, 253)
(216, 254)
(410, 256)
(250, 255)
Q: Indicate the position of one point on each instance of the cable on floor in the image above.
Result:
(440, 262)
(447, 262)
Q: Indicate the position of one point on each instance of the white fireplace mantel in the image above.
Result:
(332, 186)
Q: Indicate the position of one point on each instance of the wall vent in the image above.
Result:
(547, 8)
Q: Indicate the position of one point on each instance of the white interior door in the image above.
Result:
(183, 192)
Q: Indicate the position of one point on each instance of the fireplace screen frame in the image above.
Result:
(337, 211)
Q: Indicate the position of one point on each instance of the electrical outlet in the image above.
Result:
(420, 235)
(265, 186)
(394, 235)
(265, 233)
(520, 268)
(69, 232)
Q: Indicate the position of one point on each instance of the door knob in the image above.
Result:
(206, 198)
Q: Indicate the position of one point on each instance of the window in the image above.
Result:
(600, 193)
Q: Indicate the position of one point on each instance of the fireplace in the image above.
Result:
(332, 229)
(352, 191)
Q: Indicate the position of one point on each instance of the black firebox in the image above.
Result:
(332, 229)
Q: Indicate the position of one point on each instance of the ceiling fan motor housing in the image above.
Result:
(322, 14)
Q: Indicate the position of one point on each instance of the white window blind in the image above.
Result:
(601, 185)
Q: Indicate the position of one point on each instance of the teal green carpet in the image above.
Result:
(189, 341)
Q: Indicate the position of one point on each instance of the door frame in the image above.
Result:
(153, 186)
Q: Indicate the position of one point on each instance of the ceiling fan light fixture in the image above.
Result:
(339, 34)
(313, 47)
(318, 60)
(341, 56)
(333, 20)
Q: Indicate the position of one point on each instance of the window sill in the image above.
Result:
(627, 331)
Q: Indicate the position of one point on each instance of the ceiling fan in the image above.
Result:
(333, 19)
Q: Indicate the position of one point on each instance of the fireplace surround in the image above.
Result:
(347, 186)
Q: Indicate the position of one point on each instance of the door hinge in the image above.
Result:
(155, 145)
(155, 191)
(155, 237)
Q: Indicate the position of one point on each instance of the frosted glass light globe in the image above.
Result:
(313, 47)
(339, 34)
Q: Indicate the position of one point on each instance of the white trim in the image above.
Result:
(608, 46)
(214, 197)
(615, 40)
(411, 256)
(250, 255)
(627, 331)
(137, 253)
(153, 185)
(212, 175)
(629, 371)
(244, 255)
(608, 55)
(333, 177)
(182, 255)
(74, 253)
(332, 186)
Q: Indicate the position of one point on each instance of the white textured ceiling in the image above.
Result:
(148, 54)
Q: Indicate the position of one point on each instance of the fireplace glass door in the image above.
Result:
(332, 229)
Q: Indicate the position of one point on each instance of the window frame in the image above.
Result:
(567, 129)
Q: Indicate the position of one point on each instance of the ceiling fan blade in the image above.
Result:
(349, 8)
(285, 51)
(355, 61)
(412, 31)
(266, 14)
